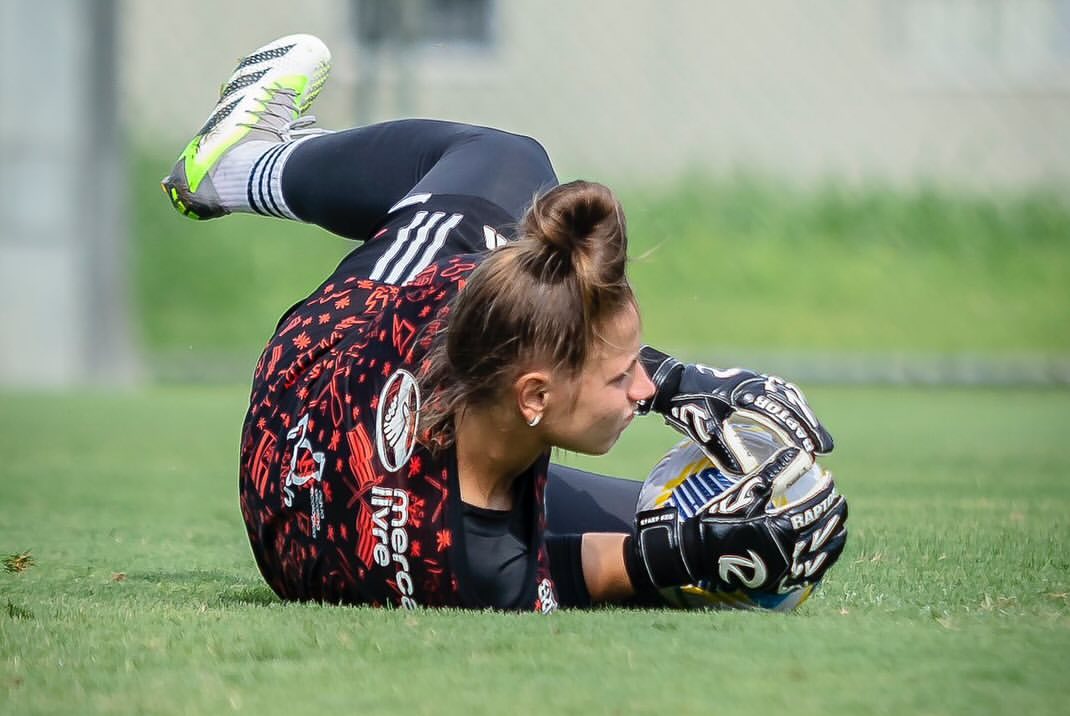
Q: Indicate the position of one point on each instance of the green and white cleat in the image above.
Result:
(265, 99)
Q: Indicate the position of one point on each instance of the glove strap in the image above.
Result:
(637, 572)
(657, 552)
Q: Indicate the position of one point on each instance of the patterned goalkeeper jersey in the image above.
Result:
(343, 503)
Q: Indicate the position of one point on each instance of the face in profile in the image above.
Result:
(590, 410)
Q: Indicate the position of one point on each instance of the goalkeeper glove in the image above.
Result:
(698, 401)
(739, 539)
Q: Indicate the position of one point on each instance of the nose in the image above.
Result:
(642, 387)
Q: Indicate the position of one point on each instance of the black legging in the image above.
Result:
(347, 181)
(578, 502)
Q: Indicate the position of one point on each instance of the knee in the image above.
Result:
(531, 152)
(518, 150)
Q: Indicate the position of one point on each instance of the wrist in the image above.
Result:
(637, 572)
(657, 554)
(604, 573)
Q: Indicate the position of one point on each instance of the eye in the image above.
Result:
(624, 378)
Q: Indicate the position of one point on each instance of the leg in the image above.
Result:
(346, 182)
(578, 502)
(256, 154)
(231, 163)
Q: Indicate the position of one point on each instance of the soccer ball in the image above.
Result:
(689, 480)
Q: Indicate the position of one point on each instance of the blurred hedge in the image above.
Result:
(741, 263)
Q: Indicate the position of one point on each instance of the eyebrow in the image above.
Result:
(629, 368)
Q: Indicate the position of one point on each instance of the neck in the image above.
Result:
(493, 449)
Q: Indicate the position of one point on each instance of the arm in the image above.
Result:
(604, 568)
(786, 547)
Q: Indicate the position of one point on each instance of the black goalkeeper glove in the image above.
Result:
(739, 540)
(698, 400)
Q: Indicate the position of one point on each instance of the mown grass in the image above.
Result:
(953, 596)
(727, 264)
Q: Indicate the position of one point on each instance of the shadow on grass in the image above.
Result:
(260, 596)
(195, 577)
(200, 583)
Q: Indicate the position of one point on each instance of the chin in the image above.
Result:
(602, 447)
(592, 443)
(589, 448)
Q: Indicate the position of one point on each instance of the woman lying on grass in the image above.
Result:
(397, 445)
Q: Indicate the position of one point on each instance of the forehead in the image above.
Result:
(619, 336)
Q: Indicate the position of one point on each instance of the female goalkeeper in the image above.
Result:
(396, 448)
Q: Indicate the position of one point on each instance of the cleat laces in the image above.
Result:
(277, 117)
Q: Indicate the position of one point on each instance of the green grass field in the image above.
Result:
(953, 596)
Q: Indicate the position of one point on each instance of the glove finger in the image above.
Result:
(806, 511)
(729, 459)
(836, 544)
(748, 497)
(784, 403)
(787, 463)
(842, 509)
(823, 441)
(762, 399)
(815, 526)
(702, 423)
(810, 566)
(820, 539)
(784, 423)
(794, 398)
(834, 548)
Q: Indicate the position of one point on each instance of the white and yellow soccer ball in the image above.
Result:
(689, 480)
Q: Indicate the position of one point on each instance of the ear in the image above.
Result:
(531, 390)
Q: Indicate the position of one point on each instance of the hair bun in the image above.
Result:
(579, 229)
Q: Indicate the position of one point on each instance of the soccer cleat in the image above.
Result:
(264, 99)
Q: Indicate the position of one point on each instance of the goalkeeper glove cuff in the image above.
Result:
(656, 555)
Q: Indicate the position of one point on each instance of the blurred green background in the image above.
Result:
(725, 268)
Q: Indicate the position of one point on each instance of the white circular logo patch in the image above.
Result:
(396, 420)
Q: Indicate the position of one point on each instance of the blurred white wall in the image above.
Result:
(963, 92)
(63, 301)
